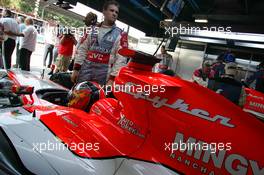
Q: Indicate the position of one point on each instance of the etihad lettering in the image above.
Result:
(180, 105)
(233, 163)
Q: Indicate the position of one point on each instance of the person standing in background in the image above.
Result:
(89, 20)
(201, 75)
(49, 45)
(97, 58)
(28, 44)
(21, 27)
(10, 29)
(65, 51)
(218, 68)
(57, 39)
(166, 60)
(228, 86)
(258, 76)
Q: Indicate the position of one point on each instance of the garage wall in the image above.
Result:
(187, 58)
(148, 45)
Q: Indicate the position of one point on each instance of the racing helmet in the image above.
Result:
(83, 95)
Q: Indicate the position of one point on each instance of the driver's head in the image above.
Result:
(83, 95)
(110, 11)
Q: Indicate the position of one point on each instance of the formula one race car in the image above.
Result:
(155, 125)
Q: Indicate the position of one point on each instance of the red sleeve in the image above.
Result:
(124, 40)
(197, 73)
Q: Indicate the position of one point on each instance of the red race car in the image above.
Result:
(155, 125)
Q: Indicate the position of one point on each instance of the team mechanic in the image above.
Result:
(97, 57)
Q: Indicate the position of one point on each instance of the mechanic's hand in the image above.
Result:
(74, 76)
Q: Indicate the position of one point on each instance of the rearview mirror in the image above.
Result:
(19, 90)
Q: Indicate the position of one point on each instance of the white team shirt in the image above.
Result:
(30, 38)
(10, 24)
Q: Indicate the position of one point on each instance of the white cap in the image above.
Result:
(231, 68)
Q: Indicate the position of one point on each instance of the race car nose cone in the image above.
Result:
(139, 57)
(127, 52)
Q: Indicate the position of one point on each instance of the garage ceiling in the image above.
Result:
(244, 16)
(241, 15)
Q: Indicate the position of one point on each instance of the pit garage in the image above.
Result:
(138, 87)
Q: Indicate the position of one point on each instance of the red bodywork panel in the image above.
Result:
(145, 126)
(254, 102)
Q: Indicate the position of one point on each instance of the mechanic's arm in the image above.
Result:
(200, 81)
(25, 33)
(118, 61)
(14, 34)
(8, 31)
(81, 54)
(197, 78)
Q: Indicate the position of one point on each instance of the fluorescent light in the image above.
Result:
(201, 20)
(252, 45)
(204, 40)
(230, 35)
(168, 20)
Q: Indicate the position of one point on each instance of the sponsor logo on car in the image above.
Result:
(233, 163)
(129, 125)
(181, 105)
